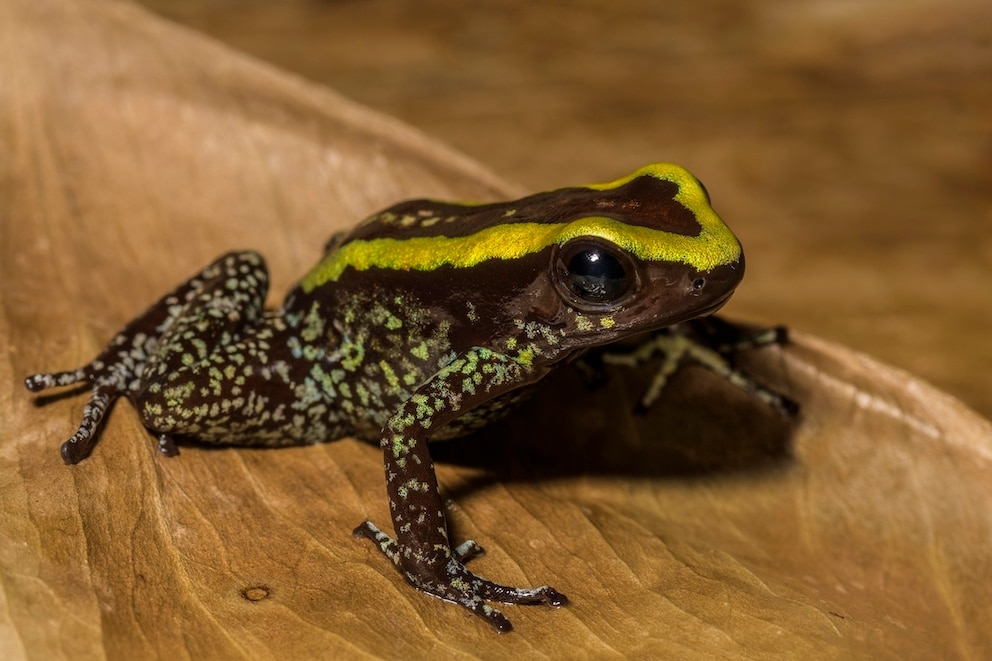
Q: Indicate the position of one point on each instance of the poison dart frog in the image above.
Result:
(421, 323)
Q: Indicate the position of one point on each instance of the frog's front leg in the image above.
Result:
(421, 550)
(710, 342)
(210, 309)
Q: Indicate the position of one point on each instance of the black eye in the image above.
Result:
(596, 275)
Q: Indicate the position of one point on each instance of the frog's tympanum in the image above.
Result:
(419, 324)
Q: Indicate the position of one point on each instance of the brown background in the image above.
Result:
(849, 144)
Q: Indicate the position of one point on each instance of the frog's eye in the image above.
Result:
(595, 274)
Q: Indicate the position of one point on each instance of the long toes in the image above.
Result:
(493, 616)
(81, 444)
(507, 595)
(476, 602)
(46, 380)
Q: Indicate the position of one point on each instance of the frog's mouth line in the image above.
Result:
(703, 312)
(716, 305)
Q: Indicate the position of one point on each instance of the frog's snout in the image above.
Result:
(717, 282)
(714, 287)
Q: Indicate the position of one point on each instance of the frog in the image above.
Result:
(425, 321)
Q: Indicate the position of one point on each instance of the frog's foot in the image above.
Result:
(111, 375)
(446, 577)
(104, 392)
(710, 343)
(714, 343)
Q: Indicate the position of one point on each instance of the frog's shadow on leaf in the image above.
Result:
(701, 426)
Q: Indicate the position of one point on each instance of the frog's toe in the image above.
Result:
(544, 594)
(386, 544)
(80, 444)
(461, 586)
(467, 550)
(493, 616)
(167, 445)
(47, 380)
(461, 578)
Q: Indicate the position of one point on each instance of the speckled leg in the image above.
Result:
(218, 303)
(712, 343)
(421, 550)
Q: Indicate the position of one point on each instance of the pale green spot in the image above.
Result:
(420, 351)
(389, 375)
(363, 394)
(353, 353)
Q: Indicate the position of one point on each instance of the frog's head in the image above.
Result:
(607, 289)
(647, 252)
(571, 268)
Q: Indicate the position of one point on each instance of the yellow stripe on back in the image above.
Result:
(715, 244)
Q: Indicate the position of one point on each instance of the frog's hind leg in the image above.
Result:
(225, 297)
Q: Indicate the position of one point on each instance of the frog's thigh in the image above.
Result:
(228, 401)
(208, 371)
(213, 310)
